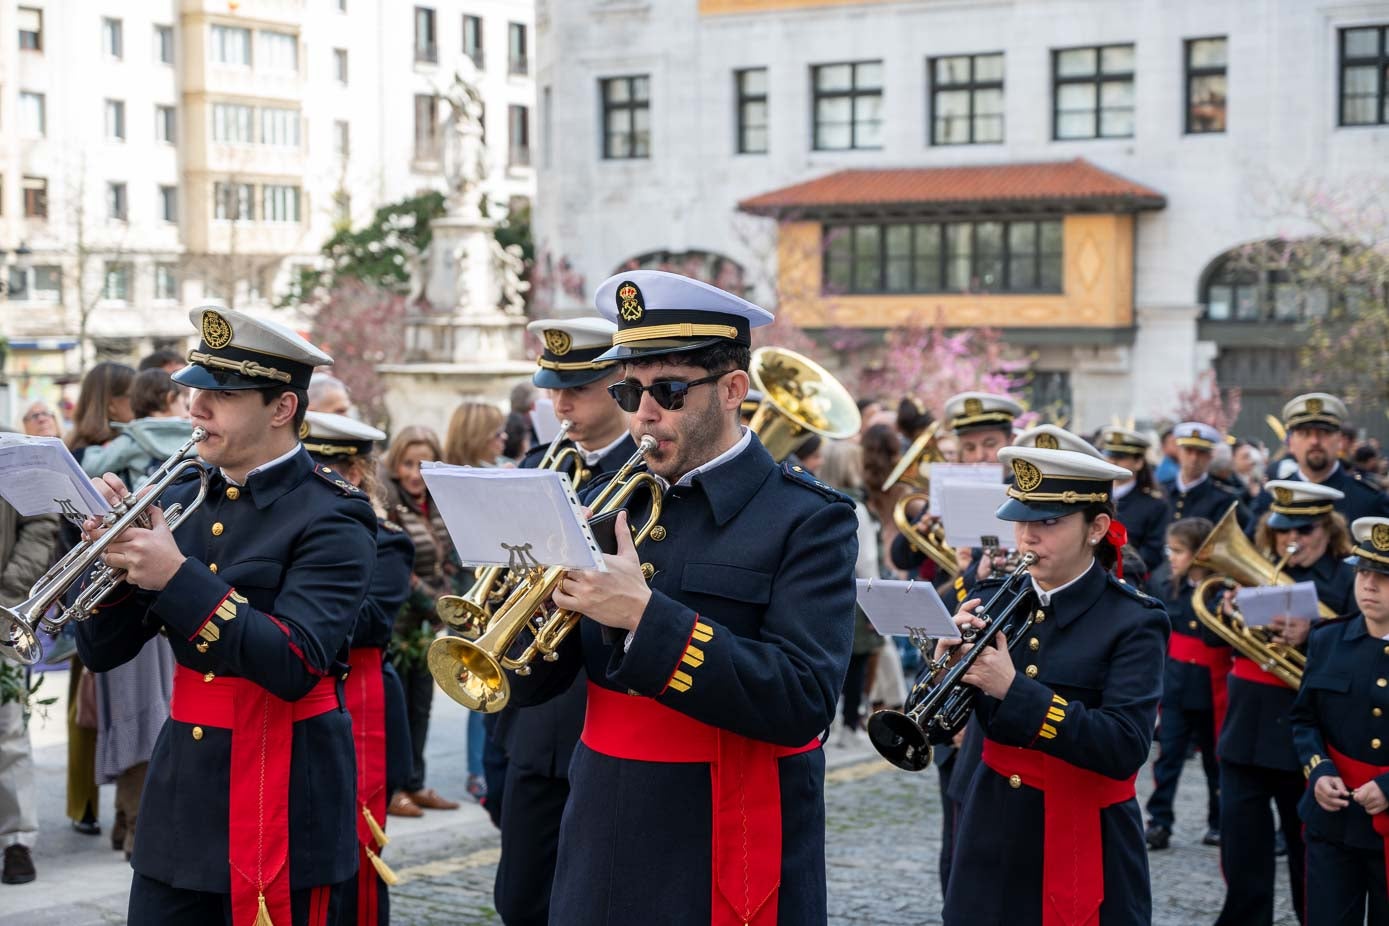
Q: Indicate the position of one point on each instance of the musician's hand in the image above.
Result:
(1331, 794)
(1370, 797)
(1290, 630)
(958, 739)
(992, 672)
(109, 487)
(617, 597)
(1227, 603)
(963, 557)
(963, 618)
(988, 564)
(150, 556)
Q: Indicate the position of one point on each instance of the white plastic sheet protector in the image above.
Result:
(943, 474)
(906, 609)
(512, 517)
(544, 420)
(39, 475)
(1259, 605)
(968, 514)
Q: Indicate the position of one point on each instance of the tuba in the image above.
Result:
(910, 470)
(473, 673)
(940, 703)
(799, 398)
(1235, 562)
(18, 641)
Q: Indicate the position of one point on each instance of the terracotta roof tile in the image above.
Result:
(1059, 184)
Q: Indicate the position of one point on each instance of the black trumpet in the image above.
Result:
(940, 703)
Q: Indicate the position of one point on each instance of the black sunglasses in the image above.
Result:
(669, 394)
(1302, 530)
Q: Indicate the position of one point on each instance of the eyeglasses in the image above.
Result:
(669, 394)
(35, 416)
(1301, 530)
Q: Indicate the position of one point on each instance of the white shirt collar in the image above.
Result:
(1187, 488)
(1306, 478)
(264, 466)
(1045, 597)
(730, 453)
(1124, 488)
(591, 457)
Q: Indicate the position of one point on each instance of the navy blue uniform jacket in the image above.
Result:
(1207, 499)
(763, 557)
(1145, 515)
(296, 545)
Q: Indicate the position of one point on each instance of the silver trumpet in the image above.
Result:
(18, 640)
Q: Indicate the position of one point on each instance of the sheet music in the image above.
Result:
(968, 514)
(39, 475)
(899, 608)
(512, 517)
(943, 474)
(545, 421)
(1259, 605)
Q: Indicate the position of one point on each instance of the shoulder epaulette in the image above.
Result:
(334, 478)
(799, 475)
(1137, 594)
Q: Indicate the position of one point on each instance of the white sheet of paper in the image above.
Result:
(943, 474)
(545, 422)
(967, 511)
(492, 511)
(39, 475)
(1259, 605)
(896, 608)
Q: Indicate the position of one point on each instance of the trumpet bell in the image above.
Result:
(899, 740)
(800, 398)
(468, 674)
(18, 642)
(465, 616)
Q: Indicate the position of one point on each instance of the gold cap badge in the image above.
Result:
(1283, 495)
(1379, 536)
(974, 407)
(558, 341)
(629, 302)
(1314, 406)
(1026, 476)
(303, 430)
(1048, 442)
(217, 331)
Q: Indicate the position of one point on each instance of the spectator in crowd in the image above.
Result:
(811, 453)
(328, 394)
(868, 408)
(39, 421)
(520, 431)
(912, 419)
(1366, 461)
(1168, 466)
(170, 361)
(881, 449)
(161, 426)
(1249, 466)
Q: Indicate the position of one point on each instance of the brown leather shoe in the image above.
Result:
(402, 806)
(430, 798)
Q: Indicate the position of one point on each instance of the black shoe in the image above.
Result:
(1157, 837)
(19, 865)
(1212, 837)
(1280, 845)
(87, 827)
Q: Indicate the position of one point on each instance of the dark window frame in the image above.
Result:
(631, 105)
(168, 196)
(1193, 73)
(741, 100)
(1381, 64)
(35, 194)
(478, 54)
(1098, 80)
(36, 43)
(972, 86)
(853, 94)
(518, 149)
(428, 52)
(517, 65)
(162, 32)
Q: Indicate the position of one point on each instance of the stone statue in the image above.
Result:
(465, 158)
(510, 268)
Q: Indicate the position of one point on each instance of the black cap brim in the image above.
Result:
(567, 379)
(1277, 521)
(1368, 564)
(1017, 510)
(197, 376)
(657, 348)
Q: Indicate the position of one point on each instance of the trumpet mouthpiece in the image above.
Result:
(648, 444)
(199, 435)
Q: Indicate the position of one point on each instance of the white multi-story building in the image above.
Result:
(1075, 172)
(159, 153)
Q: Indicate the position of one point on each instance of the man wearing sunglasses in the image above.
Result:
(698, 786)
(539, 741)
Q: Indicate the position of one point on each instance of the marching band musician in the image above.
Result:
(348, 448)
(539, 741)
(258, 595)
(698, 786)
(1342, 739)
(1192, 493)
(1258, 762)
(1139, 501)
(1067, 716)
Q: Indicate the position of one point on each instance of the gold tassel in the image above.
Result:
(377, 832)
(382, 869)
(262, 914)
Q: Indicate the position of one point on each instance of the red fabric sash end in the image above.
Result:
(1216, 660)
(1247, 670)
(1356, 773)
(365, 698)
(1072, 848)
(746, 860)
(262, 728)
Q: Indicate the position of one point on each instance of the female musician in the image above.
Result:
(1141, 506)
(1258, 762)
(1342, 738)
(1067, 716)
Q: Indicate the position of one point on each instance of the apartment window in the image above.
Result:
(1021, 256)
(233, 201)
(426, 40)
(112, 37)
(1093, 92)
(168, 203)
(164, 44)
(30, 28)
(342, 6)
(517, 63)
(43, 283)
(279, 203)
(279, 127)
(547, 126)
(518, 119)
(967, 99)
(278, 52)
(116, 286)
(340, 65)
(626, 117)
(115, 120)
(231, 45)
(750, 85)
(472, 39)
(165, 126)
(1364, 72)
(848, 105)
(342, 138)
(36, 197)
(166, 282)
(426, 127)
(117, 203)
(33, 114)
(231, 122)
(1205, 85)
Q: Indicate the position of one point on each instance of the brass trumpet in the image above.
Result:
(800, 398)
(473, 673)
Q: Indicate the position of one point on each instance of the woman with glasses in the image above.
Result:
(39, 421)
(1258, 763)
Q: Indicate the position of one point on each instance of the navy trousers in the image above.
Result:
(531, 810)
(154, 901)
(1340, 880)
(1176, 732)
(1246, 841)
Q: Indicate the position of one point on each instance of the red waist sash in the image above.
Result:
(746, 792)
(1248, 670)
(262, 728)
(1356, 773)
(364, 695)
(1216, 661)
(1072, 851)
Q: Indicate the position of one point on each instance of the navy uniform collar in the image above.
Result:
(266, 486)
(732, 484)
(1075, 599)
(1355, 628)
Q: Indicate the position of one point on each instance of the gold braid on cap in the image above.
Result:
(1069, 497)
(244, 367)
(682, 330)
(331, 450)
(573, 364)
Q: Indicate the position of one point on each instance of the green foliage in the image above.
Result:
(13, 688)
